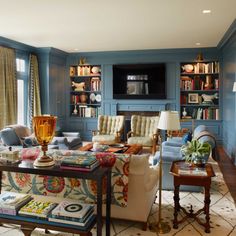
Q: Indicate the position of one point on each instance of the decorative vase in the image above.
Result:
(199, 161)
(184, 113)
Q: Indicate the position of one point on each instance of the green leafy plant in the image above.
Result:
(195, 149)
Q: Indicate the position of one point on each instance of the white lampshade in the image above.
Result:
(169, 120)
(234, 87)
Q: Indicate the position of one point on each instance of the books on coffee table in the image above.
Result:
(81, 163)
(72, 212)
(11, 202)
(37, 208)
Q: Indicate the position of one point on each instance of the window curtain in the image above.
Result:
(34, 89)
(8, 87)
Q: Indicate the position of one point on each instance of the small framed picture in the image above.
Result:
(193, 98)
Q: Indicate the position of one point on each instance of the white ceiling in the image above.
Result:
(107, 25)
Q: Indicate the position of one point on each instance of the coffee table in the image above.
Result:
(128, 148)
(192, 176)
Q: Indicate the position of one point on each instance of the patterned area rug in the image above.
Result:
(222, 215)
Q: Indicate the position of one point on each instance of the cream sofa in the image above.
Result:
(142, 189)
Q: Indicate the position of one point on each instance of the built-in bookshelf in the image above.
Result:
(85, 93)
(199, 90)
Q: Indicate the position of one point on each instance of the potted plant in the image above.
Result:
(196, 152)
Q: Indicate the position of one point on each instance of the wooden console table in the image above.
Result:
(29, 224)
(195, 177)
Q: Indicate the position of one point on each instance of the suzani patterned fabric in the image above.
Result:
(80, 189)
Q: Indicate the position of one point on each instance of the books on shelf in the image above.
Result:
(72, 212)
(11, 202)
(37, 208)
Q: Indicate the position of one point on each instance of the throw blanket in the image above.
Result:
(80, 189)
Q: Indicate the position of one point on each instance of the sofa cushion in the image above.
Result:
(139, 164)
(9, 137)
(105, 138)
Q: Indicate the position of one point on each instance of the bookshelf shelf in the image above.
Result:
(199, 90)
(85, 93)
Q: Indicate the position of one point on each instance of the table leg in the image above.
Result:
(207, 202)
(108, 203)
(99, 207)
(177, 206)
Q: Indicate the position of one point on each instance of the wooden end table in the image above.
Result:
(185, 175)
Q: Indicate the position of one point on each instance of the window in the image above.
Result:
(22, 78)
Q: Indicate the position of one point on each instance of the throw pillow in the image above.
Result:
(9, 137)
(187, 137)
(29, 141)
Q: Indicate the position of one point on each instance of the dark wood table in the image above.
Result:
(97, 175)
(185, 175)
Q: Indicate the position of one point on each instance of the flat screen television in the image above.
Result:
(139, 81)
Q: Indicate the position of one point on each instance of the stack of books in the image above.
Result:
(81, 163)
(72, 212)
(11, 202)
(37, 208)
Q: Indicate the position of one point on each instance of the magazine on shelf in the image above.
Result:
(72, 209)
(11, 202)
(37, 208)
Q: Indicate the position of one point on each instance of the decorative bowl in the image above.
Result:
(106, 159)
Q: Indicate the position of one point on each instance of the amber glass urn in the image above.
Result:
(44, 130)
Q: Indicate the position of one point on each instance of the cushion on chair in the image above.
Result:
(105, 138)
(145, 141)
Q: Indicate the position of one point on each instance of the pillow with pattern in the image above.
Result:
(29, 141)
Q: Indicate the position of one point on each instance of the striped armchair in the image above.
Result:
(109, 129)
(144, 131)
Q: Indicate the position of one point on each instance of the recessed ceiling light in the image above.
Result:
(198, 44)
(206, 11)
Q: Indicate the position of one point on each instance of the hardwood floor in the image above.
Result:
(229, 171)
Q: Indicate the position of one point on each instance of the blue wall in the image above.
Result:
(228, 57)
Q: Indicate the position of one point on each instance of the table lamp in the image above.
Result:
(44, 130)
(169, 120)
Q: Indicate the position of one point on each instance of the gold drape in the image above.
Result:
(8, 87)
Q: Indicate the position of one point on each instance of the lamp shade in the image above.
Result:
(169, 120)
(234, 87)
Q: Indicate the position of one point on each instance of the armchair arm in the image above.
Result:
(95, 132)
(130, 134)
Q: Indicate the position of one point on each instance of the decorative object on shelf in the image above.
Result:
(92, 97)
(169, 120)
(193, 98)
(208, 99)
(82, 60)
(44, 130)
(199, 57)
(188, 68)
(196, 152)
(184, 113)
(75, 111)
(98, 98)
(208, 85)
(78, 86)
(234, 87)
(95, 70)
(83, 97)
